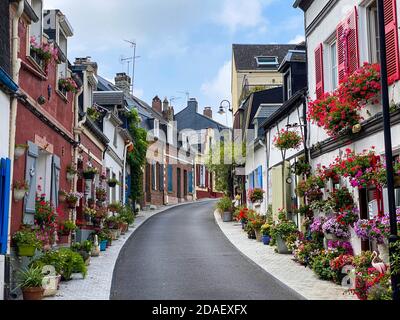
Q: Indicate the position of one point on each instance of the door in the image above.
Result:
(148, 183)
(185, 183)
(178, 184)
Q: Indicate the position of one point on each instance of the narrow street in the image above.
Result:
(181, 254)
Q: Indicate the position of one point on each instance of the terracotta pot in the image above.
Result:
(33, 293)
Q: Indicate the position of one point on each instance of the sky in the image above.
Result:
(183, 45)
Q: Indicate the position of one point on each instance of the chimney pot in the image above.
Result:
(156, 104)
(208, 112)
(123, 82)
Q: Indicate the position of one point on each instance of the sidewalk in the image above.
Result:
(97, 284)
(282, 267)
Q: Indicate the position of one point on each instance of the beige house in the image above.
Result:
(254, 68)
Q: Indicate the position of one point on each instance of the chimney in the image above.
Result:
(208, 112)
(156, 104)
(86, 62)
(165, 105)
(123, 82)
(193, 105)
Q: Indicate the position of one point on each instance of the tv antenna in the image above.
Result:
(187, 94)
(124, 60)
(171, 99)
(133, 45)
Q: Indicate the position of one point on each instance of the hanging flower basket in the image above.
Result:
(256, 195)
(20, 188)
(72, 199)
(112, 183)
(71, 172)
(89, 173)
(287, 139)
(67, 85)
(20, 150)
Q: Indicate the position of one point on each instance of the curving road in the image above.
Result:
(181, 254)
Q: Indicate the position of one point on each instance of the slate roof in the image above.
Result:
(245, 54)
(189, 119)
(109, 98)
(296, 56)
(266, 111)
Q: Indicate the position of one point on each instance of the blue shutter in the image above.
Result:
(30, 177)
(170, 177)
(190, 178)
(251, 180)
(55, 180)
(5, 182)
(260, 177)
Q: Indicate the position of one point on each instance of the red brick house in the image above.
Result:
(45, 113)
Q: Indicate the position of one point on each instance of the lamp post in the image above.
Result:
(388, 144)
(223, 109)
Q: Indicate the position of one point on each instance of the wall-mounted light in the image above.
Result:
(41, 100)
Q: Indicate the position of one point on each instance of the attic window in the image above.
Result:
(267, 61)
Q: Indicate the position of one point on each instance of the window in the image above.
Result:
(170, 178)
(267, 61)
(35, 29)
(62, 68)
(170, 133)
(156, 128)
(373, 33)
(333, 65)
(114, 190)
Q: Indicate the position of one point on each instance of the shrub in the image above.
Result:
(225, 205)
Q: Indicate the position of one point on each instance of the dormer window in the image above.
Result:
(265, 62)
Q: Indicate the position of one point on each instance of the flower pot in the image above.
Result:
(114, 233)
(112, 184)
(72, 205)
(397, 181)
(19, 194)
(19, 152)
(384, 252)
(26, 251)
(109, 243)
(331, 237)
(258, 235)
(227, 216)
(95, 251)
(266, 240)
(88, 175)
(103, 245)
(281, 245)
(33, 293)
(70, 176)
(52, 284)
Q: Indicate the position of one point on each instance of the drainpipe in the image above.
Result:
(78, 125)
(16, 66)
(124, 172)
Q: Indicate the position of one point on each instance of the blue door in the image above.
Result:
(5, 172)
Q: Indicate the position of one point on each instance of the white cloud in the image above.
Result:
(219, 88)
(297, 39)
(237, 14)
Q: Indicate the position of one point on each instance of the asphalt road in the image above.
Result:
(181, 254)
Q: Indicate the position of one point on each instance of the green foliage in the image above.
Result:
(137, 158)
(222, 161)
(127, 215)
(225, 204)
(284, 229)
(27, 238)
(64, 260)
(31, 277)
(321, 265)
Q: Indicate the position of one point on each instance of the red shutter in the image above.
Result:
(392, 41)
(319, 72)
(198, 175)
(378, 196)
(353, 60)
(341, 51)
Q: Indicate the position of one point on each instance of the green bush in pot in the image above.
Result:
(225, 207)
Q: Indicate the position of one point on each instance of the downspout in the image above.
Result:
(16, 66)
(124, 172)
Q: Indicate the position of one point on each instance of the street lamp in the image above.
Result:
(223, 109)
(388, 144)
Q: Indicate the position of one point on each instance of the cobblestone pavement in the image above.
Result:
(301, 279)
(97, 284)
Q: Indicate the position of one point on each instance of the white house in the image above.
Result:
(341, 36)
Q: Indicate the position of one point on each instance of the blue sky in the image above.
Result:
(184, 45)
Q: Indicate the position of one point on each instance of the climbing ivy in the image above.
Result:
(137, 157)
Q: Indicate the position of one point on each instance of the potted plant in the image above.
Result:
(225, 207)
(66, 227)
(114, 207)
(256, 195)
(282, 231)
(71, 172)
(257, 221)
(31, 283)
(45, 214)
(242, 217)
(72, 199)
(266, 233)
(20, 150)
(301, 168)
(89, 173)
(101, 194)
(62, 195)
(67, 85)
(27, 242)
(89, 214)
(93, 113)
(333, 230)
(287, 139)
(112, 182)
(20, 190)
